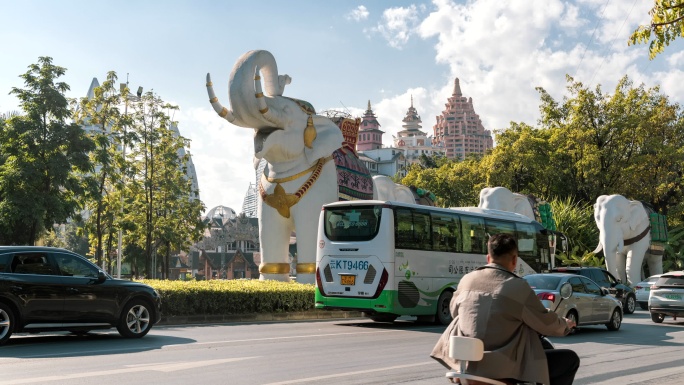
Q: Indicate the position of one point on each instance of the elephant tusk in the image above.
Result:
(218, 107)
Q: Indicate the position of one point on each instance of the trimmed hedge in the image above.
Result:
(225, 297)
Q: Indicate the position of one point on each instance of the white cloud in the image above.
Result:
(398, 24)
(358, 14)
(224, 167)
(501, 51)
(676, 60)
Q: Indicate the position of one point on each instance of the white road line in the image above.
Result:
(345, 374)
(166, 367)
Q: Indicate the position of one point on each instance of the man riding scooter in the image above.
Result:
(496, 306)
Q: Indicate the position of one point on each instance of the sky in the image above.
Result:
(340, 55)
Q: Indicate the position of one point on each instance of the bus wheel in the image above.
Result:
(443, 316)
(383, 318)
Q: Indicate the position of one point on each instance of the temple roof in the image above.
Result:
(457, 88)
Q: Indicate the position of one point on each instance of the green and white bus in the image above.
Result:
(390, 259)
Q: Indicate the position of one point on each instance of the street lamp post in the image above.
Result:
(119, 256)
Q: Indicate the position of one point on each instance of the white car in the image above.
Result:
(643, 289)
(667, 296)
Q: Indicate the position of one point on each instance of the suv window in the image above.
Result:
(31, 263)
(73, 266)
(577, 286)
(592, 287)
(4, 262)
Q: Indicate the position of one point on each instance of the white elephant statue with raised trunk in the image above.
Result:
(300, 177)
(625, 237)
(501, 198)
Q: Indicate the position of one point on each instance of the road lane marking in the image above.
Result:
(166, 367)
(345, 374)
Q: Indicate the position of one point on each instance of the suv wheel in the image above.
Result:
(6, 323)
(630, 304)
(658, 317)
(136, 319)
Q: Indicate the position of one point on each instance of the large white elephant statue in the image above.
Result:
(299, 177)
(625, 237)
(501, 198)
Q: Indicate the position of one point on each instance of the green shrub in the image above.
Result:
(225, 297)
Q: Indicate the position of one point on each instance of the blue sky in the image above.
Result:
(339, 54)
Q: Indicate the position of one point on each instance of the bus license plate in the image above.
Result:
(348, 280)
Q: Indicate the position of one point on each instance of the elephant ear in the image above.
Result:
(637, 214)
(328, 138)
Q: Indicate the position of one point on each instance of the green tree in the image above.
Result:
(42, 157)
(521, 160)
(595, 135)
(667, 24)
(432, 161)
(656, 175)
(162, 209)
(576, 221)
(101, 112)
(455, 183)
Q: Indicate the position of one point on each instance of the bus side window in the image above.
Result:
(474, 236)
(421, 231)
(403, 231)
(445, 232)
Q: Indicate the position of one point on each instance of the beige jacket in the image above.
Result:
(501, 309)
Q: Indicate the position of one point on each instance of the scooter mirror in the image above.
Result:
(566, 290)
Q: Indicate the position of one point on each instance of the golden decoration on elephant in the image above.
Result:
(309, 133)
(282, 201)
(274, 268)
(306, 268)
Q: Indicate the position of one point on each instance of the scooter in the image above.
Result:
(466, 349)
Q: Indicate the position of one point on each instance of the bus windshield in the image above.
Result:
(348, 224)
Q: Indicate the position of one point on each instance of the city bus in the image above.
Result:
(389, 259)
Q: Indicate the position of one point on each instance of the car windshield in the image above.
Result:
(542, 282)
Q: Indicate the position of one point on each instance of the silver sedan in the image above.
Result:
(589, 304)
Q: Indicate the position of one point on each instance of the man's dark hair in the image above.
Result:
(501, 245)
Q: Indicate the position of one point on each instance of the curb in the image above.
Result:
(257, 317)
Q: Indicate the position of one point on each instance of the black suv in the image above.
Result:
(605, 279)
(46, 289)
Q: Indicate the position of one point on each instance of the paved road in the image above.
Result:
(353, 351)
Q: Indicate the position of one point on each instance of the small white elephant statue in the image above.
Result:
(501, 198)
(300, 175)
(625, 237)
(384, 188)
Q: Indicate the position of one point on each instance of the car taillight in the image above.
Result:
(654, 287)
(547, 297)
(638, 287)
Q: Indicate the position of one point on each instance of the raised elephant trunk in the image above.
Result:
(249, 105)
